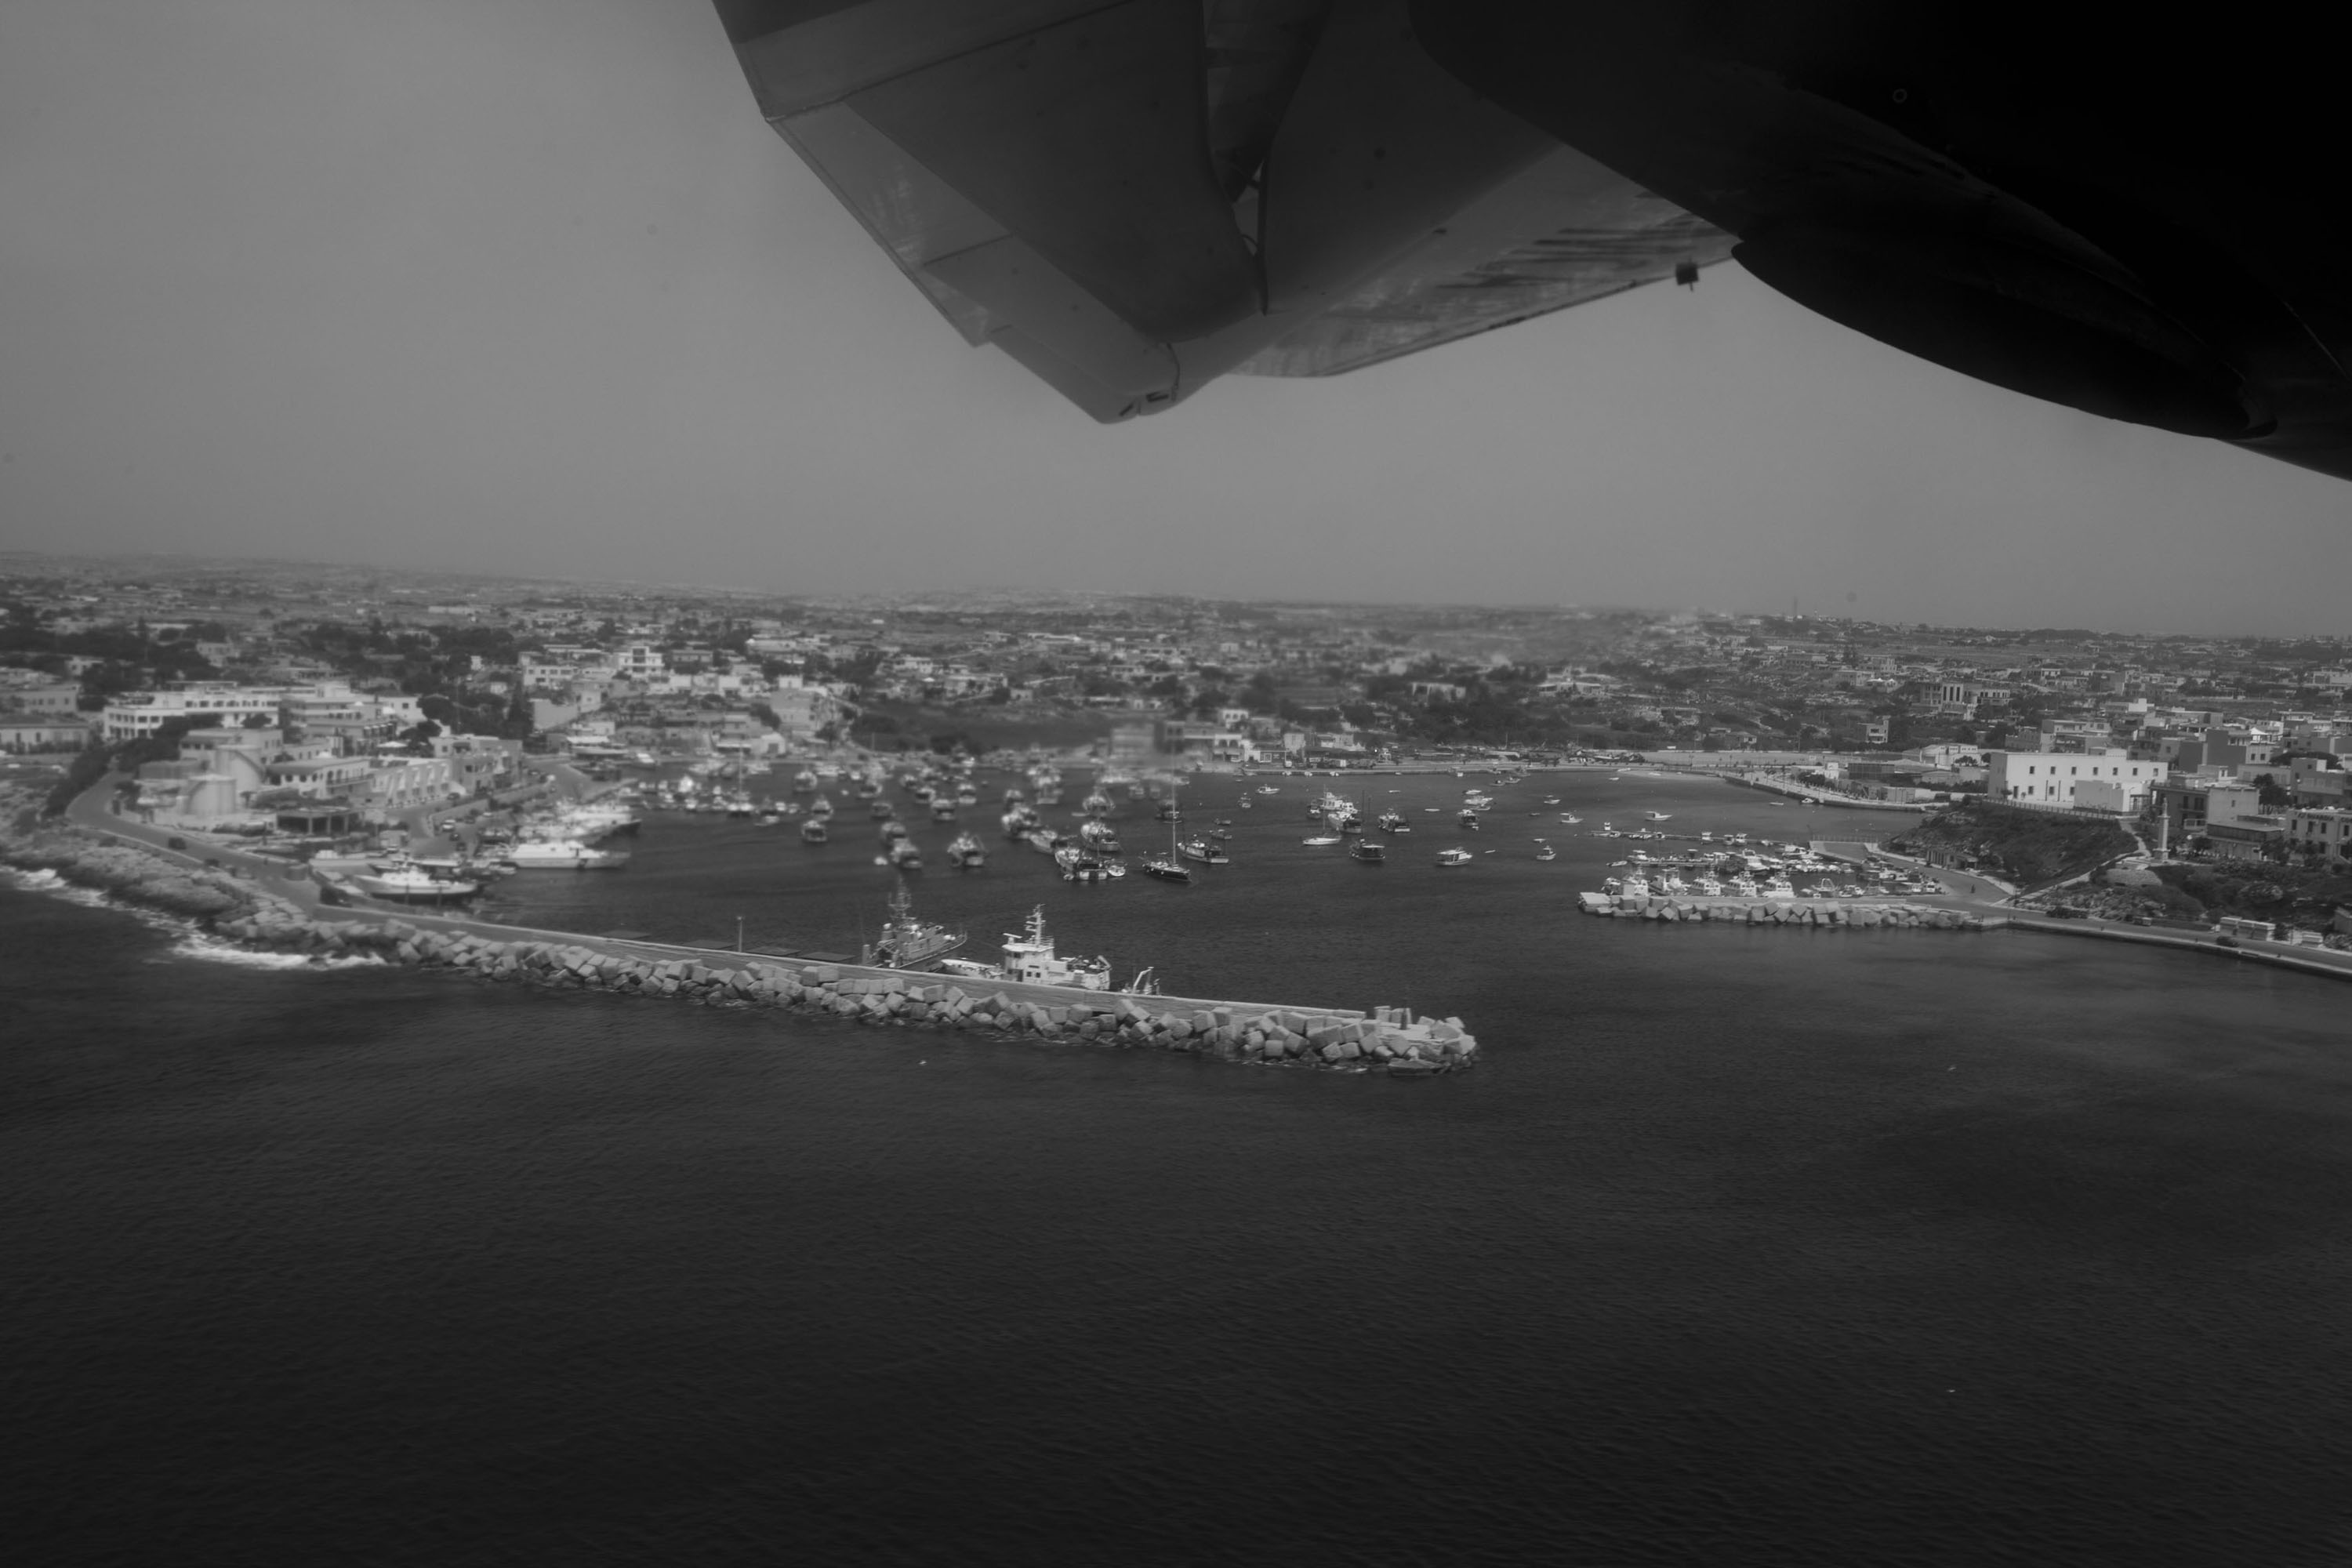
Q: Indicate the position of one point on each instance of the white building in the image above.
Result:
(2049, 778)
(129, 717)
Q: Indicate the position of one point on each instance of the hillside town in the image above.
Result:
(268, 690)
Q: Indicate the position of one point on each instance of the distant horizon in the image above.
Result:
(8, 556)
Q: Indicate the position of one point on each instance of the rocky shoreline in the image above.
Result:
(1387, 1040)
(134, 876)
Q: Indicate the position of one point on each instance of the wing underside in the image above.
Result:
(1131, 199)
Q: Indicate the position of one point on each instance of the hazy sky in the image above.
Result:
(527, 286)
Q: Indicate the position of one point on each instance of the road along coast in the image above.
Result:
(1387, 1038)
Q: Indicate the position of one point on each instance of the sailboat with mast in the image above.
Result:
(1170, 866)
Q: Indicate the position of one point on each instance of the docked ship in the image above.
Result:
(892, 832)
(821, 807)
(943, 810)
(1030, 959)
(901, 856)
(1098, 836)
(1096, 804)
(1454, 857)
(965, 854)
(813, 831)
(1368, 850)
(879, 810)
(1469, 819)
(1207, 851)
(907, 942)
(1392, 821)
(1019, 821)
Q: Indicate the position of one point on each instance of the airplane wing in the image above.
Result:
(1133, 198)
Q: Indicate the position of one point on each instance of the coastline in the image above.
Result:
(260, 919)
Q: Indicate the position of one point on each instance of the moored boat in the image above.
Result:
(413, 884)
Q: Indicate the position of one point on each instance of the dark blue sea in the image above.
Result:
(1740, 1247)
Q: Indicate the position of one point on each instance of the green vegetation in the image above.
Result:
(2026, 847)
(90, 765)
(2262, 891)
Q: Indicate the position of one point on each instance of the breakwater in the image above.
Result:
(1852, 913)
(1387, 1038)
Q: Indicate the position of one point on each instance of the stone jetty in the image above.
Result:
(1839, 913)
(1387, 1038)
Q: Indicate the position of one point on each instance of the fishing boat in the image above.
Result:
(965, 854)
(1368, 850)
(907, 942)
(1030, 959)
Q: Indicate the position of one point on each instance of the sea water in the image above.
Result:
(1739, 1246)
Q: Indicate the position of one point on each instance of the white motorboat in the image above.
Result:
(561, 855)
(411, 883)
